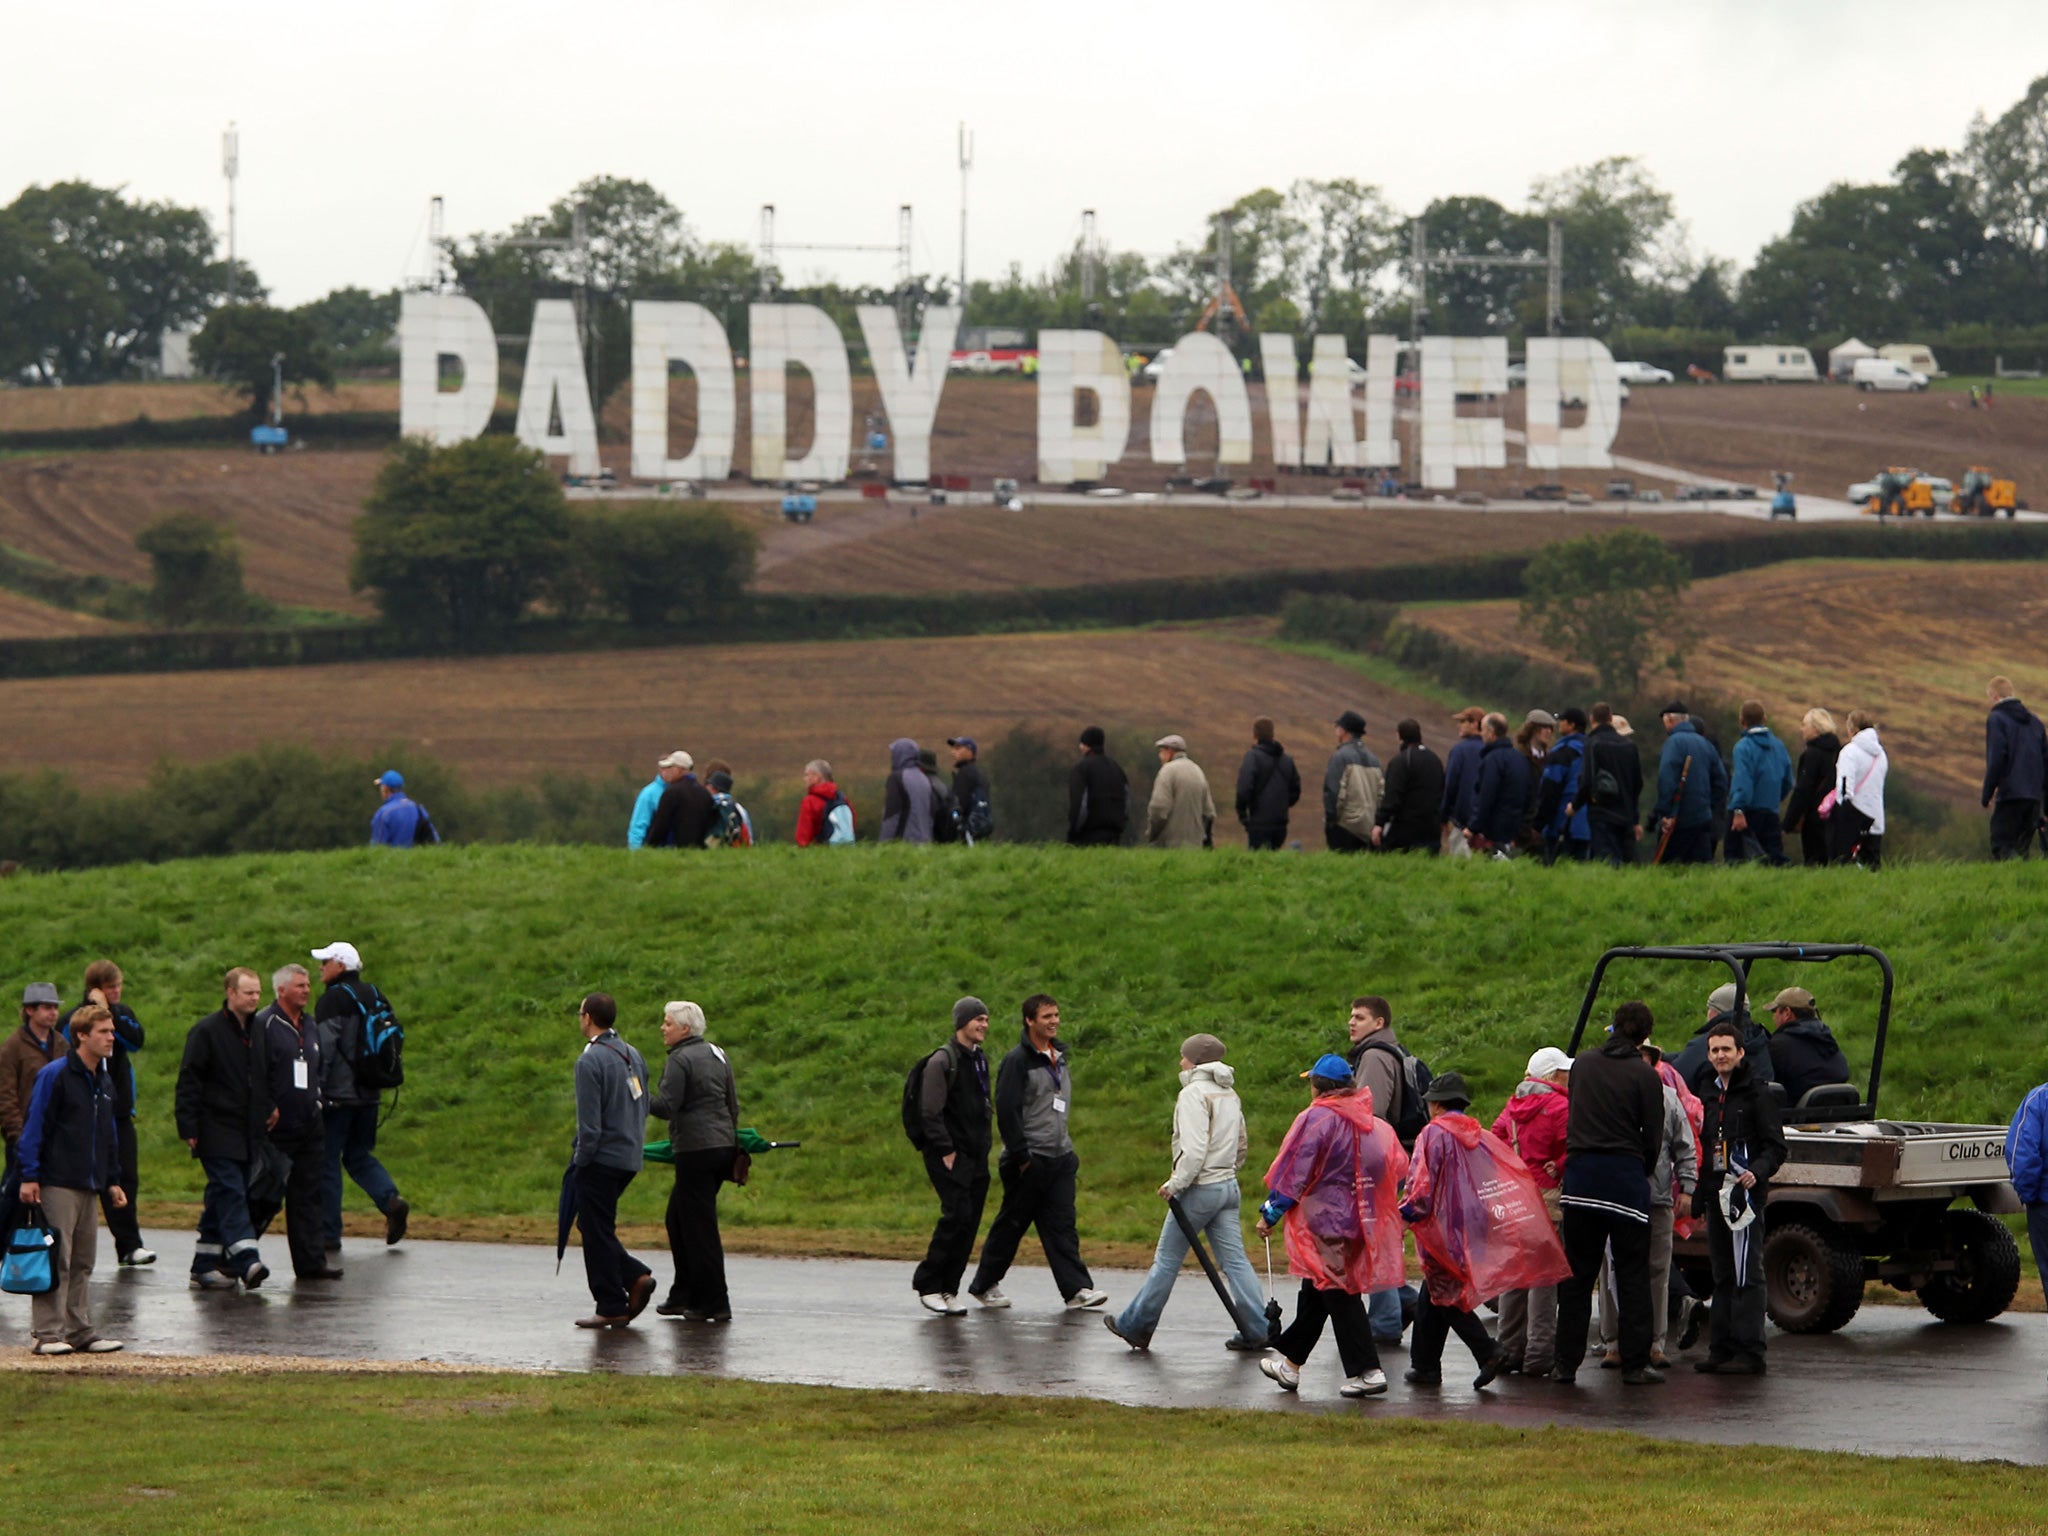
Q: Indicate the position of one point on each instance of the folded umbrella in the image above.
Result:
(565, 1214)
(752, 1140)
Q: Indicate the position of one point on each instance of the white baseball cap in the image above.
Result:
(345, 953)
(681, 760)
(1548, 1060)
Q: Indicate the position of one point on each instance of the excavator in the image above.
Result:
(1983, 494)
(1901, 493)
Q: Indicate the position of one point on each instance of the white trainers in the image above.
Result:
(1082, 1299)
(1371, 1384)
(52, 1347)
(140, 1257)
(947, 1305)
(992, 1297)
(101, 1346)
(1282, 1370)
(932, 1301)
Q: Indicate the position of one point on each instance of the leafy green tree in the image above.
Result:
(357, 328)
(238, 343)
(1610, 602)
(197, 566)
(90, 281)
(2008, 160)
(456, 542)
(652, 564)
(1615, 220)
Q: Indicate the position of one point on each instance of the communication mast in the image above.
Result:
(230, 167)
(966, 146)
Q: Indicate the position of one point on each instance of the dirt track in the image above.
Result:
(1889, 635)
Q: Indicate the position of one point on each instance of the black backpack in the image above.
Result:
(1415, 1080)
(946, 818)
(981, 816)
(913, 1095)
(1603, 783)
(376, 1046)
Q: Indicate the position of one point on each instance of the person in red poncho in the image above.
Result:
(1480, 1227)
(1335, 1185)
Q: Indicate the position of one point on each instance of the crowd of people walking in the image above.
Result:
(1567, 785)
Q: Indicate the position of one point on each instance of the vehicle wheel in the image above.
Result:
(1814, 1284)
(1987, 1271)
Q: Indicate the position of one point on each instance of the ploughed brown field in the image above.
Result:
(1893, 636)
(766, 709)
(111, 405)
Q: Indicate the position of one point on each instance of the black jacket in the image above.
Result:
(1098, 800)
(1803, 1055)
(1408, 805)
(683, 817)
(1268, 786)
(338, 1021)
(298, 1109)
(1812, 778)
(954, 1098)
(2015, 753)
(1617, 1104)
(73, 1134)
(224, 1098)
(1745, 1117)
(970, 788)
(1505, 797)
(1692, 1064)
(1613, 755)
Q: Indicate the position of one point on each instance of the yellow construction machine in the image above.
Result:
(1984, 494)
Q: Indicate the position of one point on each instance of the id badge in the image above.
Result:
(1059, 1105)
(300, 1078)
(633, 1086)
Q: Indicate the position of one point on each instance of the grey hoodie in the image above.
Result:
(907, 802)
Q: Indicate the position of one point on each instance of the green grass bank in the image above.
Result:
(826, 974)
(591, 1453)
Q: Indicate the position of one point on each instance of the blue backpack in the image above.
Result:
(378, 1053)
(30, 1268)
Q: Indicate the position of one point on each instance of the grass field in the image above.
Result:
(597, 1453)
(1898, 636)
(826, 974)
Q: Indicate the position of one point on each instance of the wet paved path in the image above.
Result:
(1894, 1382)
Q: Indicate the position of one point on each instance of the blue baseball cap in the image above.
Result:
(391, 778)
(1335, 1068)
(964, 741)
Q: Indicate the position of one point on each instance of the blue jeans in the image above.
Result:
(352, 1144)
(2037, 1235)
(1212, 1210)
(227, 1236)
(1383, 1308)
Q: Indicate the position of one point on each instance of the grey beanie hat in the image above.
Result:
(1722, 998)
(967, 1010)
(1201, 1049)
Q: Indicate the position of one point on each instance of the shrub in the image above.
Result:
(1328, 618)
(197, 568)
(651, 564)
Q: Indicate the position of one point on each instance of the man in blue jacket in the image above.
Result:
(68, 1154)
(1758, 787)
(2015, 765)
(1461, 772)
(1504, 792)
(1686, 796)
(1561, 812)
(666, 772)
(2026, 1154)
(400, 822)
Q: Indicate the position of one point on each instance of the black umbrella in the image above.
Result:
(565, 1214)
(1187, 1230)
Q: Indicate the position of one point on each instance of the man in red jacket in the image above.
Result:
(818, 822)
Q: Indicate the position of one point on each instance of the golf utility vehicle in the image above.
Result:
(1912, 1204)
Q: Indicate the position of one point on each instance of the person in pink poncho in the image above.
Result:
(1334, 1186)
(1480, 1227)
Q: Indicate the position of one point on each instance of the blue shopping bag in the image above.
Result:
(30, 1268)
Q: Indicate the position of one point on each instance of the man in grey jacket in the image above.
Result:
(1352, 784)
(1209, 1146)
(1182, 811)
(611, 1126)
(701, 1104)
(1376, 1065)
(1034, 1092)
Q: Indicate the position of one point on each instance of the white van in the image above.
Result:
(1770, 362)
(1884, 373)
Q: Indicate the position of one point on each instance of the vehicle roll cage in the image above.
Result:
(1738, 958)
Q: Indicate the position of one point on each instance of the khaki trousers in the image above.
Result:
(60, 1313)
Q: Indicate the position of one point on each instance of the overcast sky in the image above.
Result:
(353, 115)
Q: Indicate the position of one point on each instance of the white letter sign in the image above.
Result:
(432, 326)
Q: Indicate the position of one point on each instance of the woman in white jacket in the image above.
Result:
(1856, 829)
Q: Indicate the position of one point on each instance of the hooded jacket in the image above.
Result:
(1533, 1122)
(1804, 1055)
(1268, 785)
(1033, 1098)
(1860, 774)
(815, 818)
(1813, 779)
(1706, 786)
(1478, 1214)
(1692, 1063)
(1353, 786)
(1098, 800)
(1561, 811)
(1337, 1181)
(2026, 1148)
(1414, 792)
(1503, 797)
(1182, 811)
(2015, 753)
(907, 799)
(1209, 1136)
(1763, 772)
